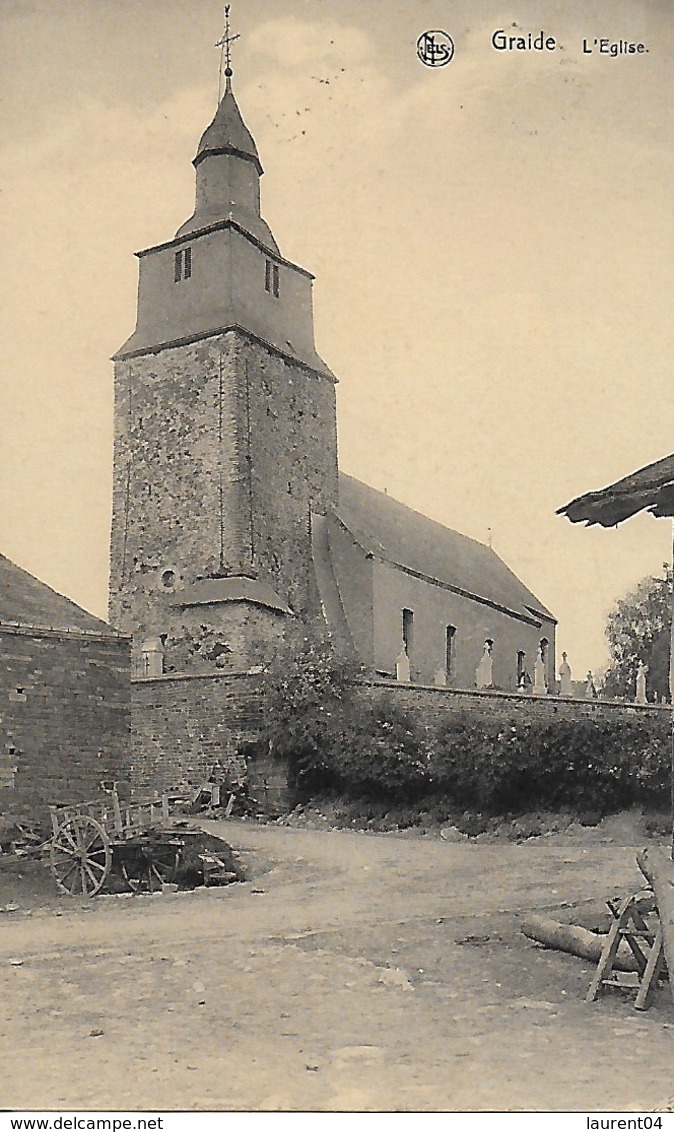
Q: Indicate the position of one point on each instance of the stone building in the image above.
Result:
(64, 697)
(225, 431)
(403, 579)
(231, 526)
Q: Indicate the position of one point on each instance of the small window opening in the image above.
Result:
(408, 630)
(521, 668)
(168, 579)
(182, 268)
(449, 648)
(271, 278)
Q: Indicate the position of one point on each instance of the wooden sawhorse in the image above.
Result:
(644, 941)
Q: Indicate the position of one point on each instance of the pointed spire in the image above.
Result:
(228, 165)
(228, 134)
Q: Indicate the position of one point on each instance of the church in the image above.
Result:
(233, 530)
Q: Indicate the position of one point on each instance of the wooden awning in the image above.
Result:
(649, 489)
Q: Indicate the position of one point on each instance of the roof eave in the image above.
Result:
(608, 508)
(650, 488)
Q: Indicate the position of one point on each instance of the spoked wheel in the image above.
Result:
(80, 856)
(147, 867)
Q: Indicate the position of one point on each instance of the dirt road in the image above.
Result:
(369, 972)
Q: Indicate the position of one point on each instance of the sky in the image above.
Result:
(492, 242)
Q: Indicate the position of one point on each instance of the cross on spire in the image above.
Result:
(225, 44)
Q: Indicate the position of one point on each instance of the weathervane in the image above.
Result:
(225, 56)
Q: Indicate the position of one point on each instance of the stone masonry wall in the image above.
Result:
(221, 449)
(184, 726)
(177, 466)
(434, 704)
(231, 638)
(291, 417)
(64, 717)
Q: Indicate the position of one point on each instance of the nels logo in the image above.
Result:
(435, 48)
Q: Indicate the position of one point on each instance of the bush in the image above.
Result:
(597, 765)
(309, 703)
(384, 753)
(335, 740)
(332, 739)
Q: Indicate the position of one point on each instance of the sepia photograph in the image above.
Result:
(336, 511)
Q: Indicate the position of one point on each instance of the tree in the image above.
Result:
(638, 628)
(309, 707)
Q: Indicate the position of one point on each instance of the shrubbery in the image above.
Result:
(335, 740)
(514, 765)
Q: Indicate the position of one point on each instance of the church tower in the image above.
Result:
(225, 431)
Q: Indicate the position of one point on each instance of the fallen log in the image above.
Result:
(575, 941)
(659, 872)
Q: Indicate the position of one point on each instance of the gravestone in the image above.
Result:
(641, 683)
(403, 667)
(540, 684)
(565, 688)
(483, 674)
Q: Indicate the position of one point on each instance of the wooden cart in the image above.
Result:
(91, 838)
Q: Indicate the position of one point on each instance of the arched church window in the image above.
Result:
(450, 634)
(408, 630)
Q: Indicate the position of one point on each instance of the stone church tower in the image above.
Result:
(225, 431)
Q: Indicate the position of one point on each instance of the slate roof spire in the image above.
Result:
(228, 166)
(228, 133)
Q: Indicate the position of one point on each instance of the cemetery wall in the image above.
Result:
(184, 726)
(433, 704)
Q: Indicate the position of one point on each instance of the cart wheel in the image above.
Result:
(80, 856)
(150, 867)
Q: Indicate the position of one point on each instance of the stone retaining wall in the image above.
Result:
(436, 703)
(185, 726)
